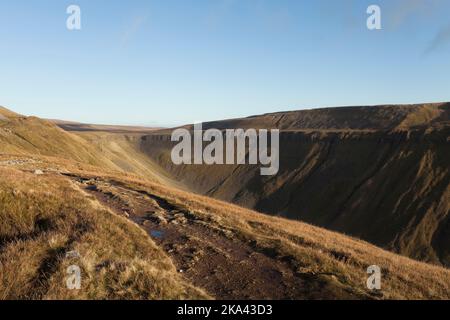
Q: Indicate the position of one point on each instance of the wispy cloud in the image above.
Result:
(404, 10)
(441, 39)
(276, 18)
(218, 12)
(135, 25)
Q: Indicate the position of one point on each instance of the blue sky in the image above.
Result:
(172, 62)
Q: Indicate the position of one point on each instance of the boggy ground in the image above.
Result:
(233, 253)
(192, 247)
(211, 256)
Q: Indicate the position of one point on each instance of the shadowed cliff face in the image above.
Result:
(390, 186)
(71, 192)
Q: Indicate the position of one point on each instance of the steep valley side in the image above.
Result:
(390, 188)
(98, 192)
(385, 181)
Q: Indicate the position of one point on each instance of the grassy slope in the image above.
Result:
(318, 252)
(45, 216)
(123, 150)
(42, 218)
(34, 136)
(30, 135)
(388, 184)
(369, 118)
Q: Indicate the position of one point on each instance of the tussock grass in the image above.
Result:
(32, 136)
(44, 217)
(329, 256)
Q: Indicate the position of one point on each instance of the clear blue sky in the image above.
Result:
(172, 62)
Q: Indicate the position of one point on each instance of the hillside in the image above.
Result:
(378, 173)
(366, 118)
(192, 247)
(123, 149)
(45, 218)
(83, 127)
(33, 136)
(140, 238)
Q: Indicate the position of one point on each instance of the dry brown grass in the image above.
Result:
(32, 136)
(123, 151)
(425, 115)
(391, 189)
(44, 217)
(121, 262)
(316, 251)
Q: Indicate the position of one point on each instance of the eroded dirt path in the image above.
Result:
(208, 255)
